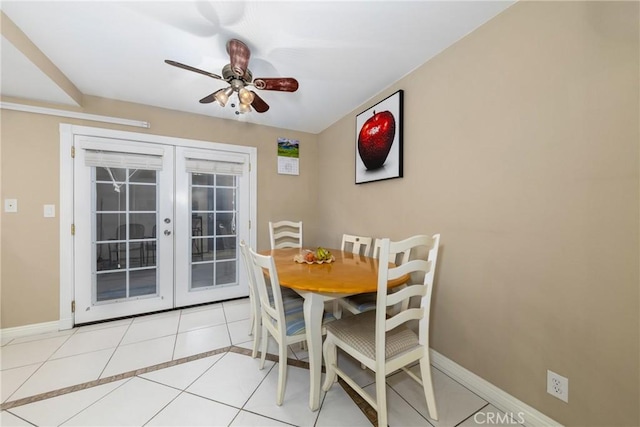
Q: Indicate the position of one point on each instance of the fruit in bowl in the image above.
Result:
(310, 257)
(323, 254)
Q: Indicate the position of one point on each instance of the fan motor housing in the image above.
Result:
(228, 74)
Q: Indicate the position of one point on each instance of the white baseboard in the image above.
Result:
(492, 394)
(34, 329)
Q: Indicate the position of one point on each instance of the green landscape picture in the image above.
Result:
(288, 147)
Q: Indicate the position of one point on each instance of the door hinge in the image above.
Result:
(249, 224)
(249, 167)
(73, 229)
(73, 306)
(73, 152)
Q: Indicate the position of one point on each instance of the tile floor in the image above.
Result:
(191, 367)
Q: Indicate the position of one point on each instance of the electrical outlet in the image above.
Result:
(11, 205)
(558, 386)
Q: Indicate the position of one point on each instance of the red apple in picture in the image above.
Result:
(375, 139)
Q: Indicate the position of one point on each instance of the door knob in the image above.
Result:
(167, 232)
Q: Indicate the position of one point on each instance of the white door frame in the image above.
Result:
(67, 135)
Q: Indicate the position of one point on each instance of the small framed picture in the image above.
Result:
(379, 141)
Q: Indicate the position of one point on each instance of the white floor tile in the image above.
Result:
(59, 409)
(490, 415)
(399, 412)
(65, 372)
(91, 341)
(454, 402)
(28, 353)
(143, 329)
(231, 380)
(190, 410)
(133, 403)
(239, 332)
(201, 340)
(205, 317)
(37, 337)
(248, 419)
(339, 410)
(181, 376)
(272, 348)
(295, 407)
(237, 310)
(9, 420)
(140, 355)
(12, 379)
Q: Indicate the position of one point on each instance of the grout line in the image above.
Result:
(472, 414)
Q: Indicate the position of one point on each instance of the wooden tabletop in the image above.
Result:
(348, 274)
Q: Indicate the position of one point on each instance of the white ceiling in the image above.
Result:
(342, 53)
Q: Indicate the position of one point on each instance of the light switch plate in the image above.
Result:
(11, 205)
(49, 211)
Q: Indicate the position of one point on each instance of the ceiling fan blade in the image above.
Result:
(284, 84)
(208, 99)
(258, 103)
(190, 68)
(239, 54)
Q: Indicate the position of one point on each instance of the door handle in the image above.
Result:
(167, 233)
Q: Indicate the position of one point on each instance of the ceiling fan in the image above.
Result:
(239, 77)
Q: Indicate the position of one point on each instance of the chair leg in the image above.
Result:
(265, 340)
(257, 327)
(337, 309)
(282, 371)
(330, 355)
(427, 384)
(381, 396)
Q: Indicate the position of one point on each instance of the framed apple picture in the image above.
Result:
(379, 141)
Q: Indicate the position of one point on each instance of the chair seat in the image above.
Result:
(362, 302)
(295, 321)
(359, 332)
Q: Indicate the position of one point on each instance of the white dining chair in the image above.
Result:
(285, 234)
(254, 300)
(385, 343)
(359, 245)
(360, 303)
(285, 323)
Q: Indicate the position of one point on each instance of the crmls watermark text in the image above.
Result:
(499, 418)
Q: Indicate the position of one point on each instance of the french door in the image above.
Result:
(157, 226)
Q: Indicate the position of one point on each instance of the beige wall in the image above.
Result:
(521, 148)
(30, 173)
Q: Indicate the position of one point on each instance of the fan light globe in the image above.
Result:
(222, 96)
(246, 96)
(244, 108)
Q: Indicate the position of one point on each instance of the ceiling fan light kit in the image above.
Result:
(238, 76)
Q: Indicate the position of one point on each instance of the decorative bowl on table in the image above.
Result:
(319, 256)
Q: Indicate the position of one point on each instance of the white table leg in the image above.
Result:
(313, 311)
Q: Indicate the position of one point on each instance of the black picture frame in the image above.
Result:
(378, 146)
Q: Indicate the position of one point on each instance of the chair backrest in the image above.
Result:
(394, 257)
(270, 302)
(285, 234)
(254, 299)
(422, 266)
(357, 243)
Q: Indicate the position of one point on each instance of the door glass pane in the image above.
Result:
(213, 230)
(124, 241)
(201, 275)
(110, 286)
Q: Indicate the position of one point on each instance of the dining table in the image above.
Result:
(347, 274)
